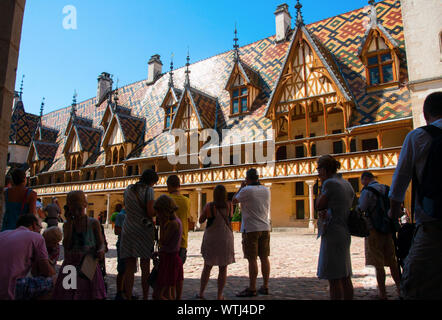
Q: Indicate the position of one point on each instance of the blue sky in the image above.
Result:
(119, 37)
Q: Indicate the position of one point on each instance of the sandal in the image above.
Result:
(246, 293)
(263, 291)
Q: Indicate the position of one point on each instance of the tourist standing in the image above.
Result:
(19, 200)
(170, 270)
(334, 205)
(53, 213)
(118, 209)
(21, 250)
(255, 227)
(82, 236)
(138, 234)
(422, 276)
(183, 212)
(218, 242)
(379, 245)
(121, 265)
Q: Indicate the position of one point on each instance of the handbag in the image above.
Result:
(357, 224)
(153, 276)
(88, 267)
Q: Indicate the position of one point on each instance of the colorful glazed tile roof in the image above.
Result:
(23, 125)
(45, 150)
(337, 38)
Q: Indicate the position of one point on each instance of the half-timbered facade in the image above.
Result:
(318, 87)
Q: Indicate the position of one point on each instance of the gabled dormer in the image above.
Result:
(379, 53)
(40, 155)
(122, 136)
(244, 85)
(196, 110)
(310, 87)
(170, 106)
(81, 143)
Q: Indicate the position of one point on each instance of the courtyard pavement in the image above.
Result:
(294, 256)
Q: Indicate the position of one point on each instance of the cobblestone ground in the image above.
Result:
(294, 255)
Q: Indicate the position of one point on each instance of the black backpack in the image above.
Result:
(429, 190)
(379, 219)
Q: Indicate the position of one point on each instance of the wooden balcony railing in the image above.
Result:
(282, 170)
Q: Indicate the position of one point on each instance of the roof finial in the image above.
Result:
(299, 19)
(187, 81)
(21, 87)
(371, 2)
(42, 107)
(74, 103)
(236, 46)
(171, 85)
(116, 98)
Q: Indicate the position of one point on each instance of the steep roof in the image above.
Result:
(338, 39)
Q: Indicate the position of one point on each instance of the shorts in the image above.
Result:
(121, 263)
(183, 254)
(31, 288)
(379, 250)
(256, 244)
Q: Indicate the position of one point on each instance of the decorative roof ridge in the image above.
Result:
(88, 128)
(128, 116)
(46, 143)
(202, 93)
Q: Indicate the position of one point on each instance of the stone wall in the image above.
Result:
(423, 32)
(11, 19)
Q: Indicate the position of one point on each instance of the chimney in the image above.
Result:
(104, 85)
(283, 22)
(154, 68)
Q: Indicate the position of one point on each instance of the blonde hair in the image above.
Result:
(53, 234)
(76, 202)
(165, 206)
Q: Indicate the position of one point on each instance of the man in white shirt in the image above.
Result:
(255, 227)
(422, 276)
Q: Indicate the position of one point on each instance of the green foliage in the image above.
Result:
(237, 215)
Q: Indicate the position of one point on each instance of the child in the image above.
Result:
(53, 236)
(170, 274)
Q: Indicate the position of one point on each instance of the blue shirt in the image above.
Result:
(119, 219)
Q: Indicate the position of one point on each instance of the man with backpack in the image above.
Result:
(379, 245)
(420, 160)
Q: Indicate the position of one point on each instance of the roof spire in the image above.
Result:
(74, 104)
(42, 107)
(116, 98)
(21, 87)
(171, 85)
(236, 46)
(299, 18)
(187, 81)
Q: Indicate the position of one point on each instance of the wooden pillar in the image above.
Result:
(325, 120)
(289, 125)
(307, 119)
(379, 138)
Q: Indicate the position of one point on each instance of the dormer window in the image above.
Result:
(380, 65)
(240, 97)
(381, 60)
(170, 113)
